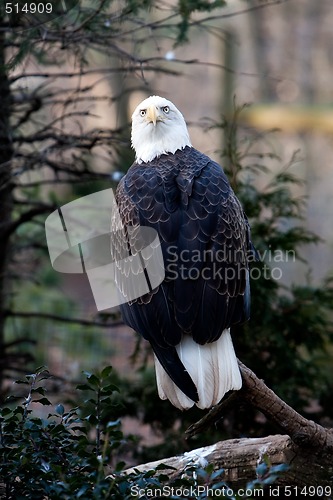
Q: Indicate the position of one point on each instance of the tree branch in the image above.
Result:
(303, 432)
(307, 449)
(63, 319)
(228, 455)
(102, 71)
(27, 217)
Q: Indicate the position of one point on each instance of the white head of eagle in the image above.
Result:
(158, 127)
(205, 240)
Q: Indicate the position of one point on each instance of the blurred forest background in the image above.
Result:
(67, 91)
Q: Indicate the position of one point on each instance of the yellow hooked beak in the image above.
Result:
(153, 115)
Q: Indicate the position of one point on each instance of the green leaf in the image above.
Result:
(261, 469)
(60, 409)
(41, 369)
(120, 466)
(109, 389)
(114, 423)
(106, 372)
(92, 419)
(5, 412)
(84, 387)
(165, 467)
(279, 468)
(92, 379)
(82, 490)
(216, 474)
(42, 401)
(39, 390)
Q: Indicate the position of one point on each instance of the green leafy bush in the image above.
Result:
(70, 453)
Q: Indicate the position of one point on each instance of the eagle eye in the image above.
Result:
(166, 109)
(143, 112)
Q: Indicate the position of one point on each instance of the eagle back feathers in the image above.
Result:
(187, 199)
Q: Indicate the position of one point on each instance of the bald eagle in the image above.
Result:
(205, 240)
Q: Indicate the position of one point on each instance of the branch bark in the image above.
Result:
(306, 446)
(303, 432)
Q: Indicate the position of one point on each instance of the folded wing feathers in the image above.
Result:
(213, 368)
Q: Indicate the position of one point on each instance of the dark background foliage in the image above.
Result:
(52, 151)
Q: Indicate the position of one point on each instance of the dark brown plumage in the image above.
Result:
(205, 240)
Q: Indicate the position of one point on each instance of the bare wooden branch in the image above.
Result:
(303, 432)
(307, 448)
(238, 457)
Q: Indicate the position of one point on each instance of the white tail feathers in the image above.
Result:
(213, 368)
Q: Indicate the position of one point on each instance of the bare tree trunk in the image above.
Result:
(6, 200)
(261, 53)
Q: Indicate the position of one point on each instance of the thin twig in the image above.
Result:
(212, 417)
(63, 319)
